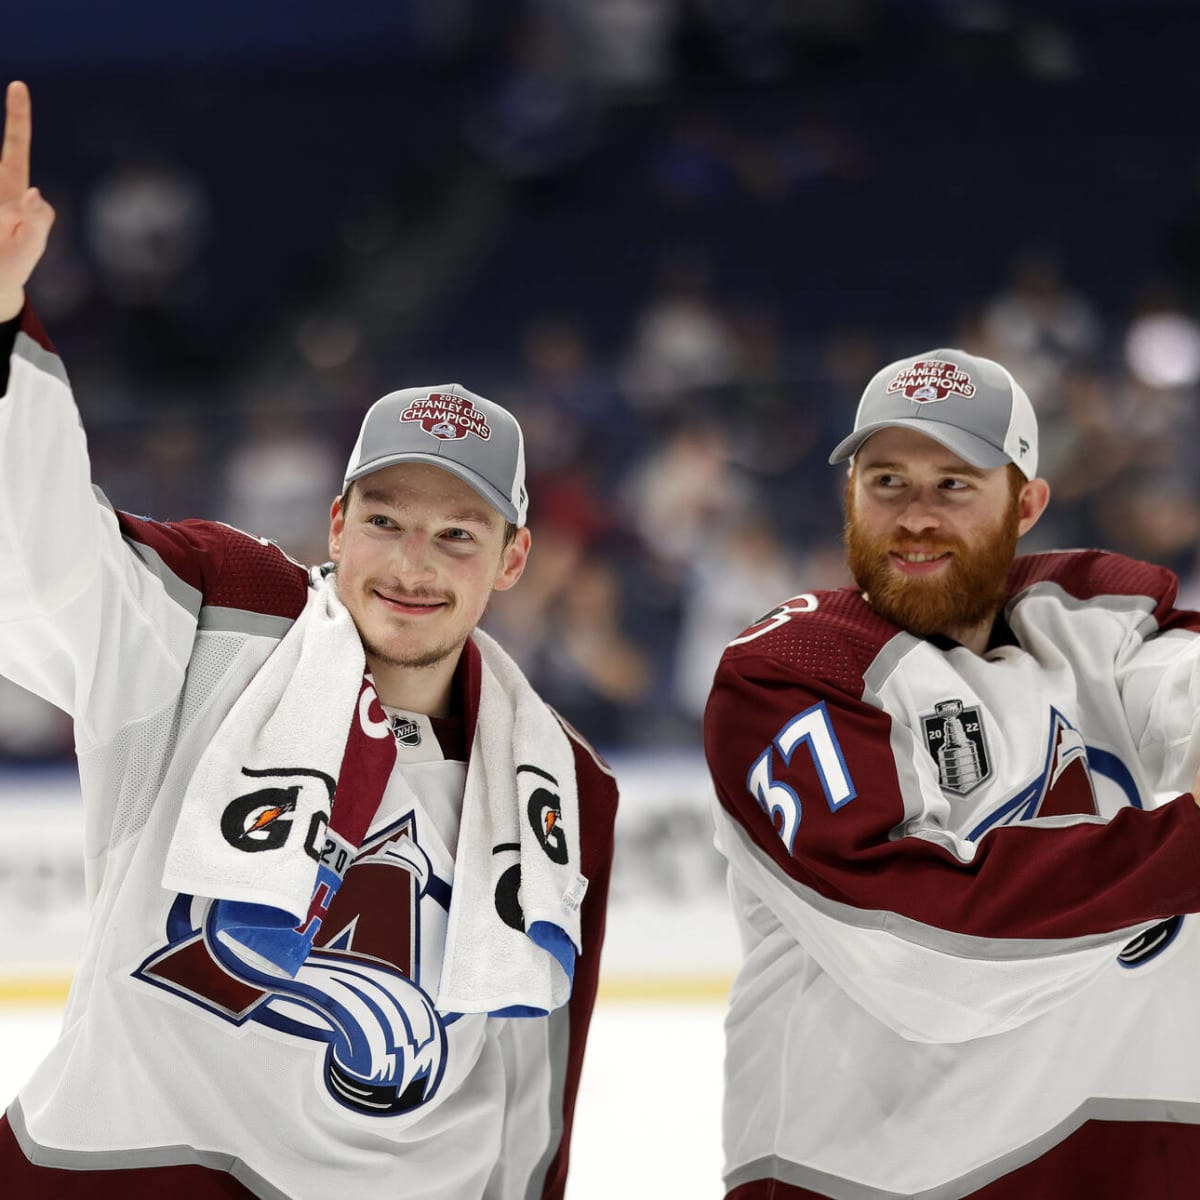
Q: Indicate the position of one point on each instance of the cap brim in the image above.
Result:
(500, 502)
(967, 446)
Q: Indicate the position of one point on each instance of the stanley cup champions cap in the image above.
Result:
(451, 428)
(972, 405)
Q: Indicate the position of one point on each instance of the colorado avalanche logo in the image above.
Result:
(358, 992)
(448, 417)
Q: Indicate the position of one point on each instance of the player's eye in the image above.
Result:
(379, 521)
(458, 535)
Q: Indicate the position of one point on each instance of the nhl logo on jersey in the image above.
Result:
(954, 735)
(407, 732)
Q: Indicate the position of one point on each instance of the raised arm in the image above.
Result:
(25, 217)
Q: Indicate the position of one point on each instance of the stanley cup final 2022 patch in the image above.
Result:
(954, 736)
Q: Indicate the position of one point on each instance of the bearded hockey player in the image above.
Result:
(961, 847)
(347, 872)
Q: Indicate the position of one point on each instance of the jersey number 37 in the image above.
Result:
(811, 728)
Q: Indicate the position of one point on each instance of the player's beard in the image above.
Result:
(416, 661)
(970, 592)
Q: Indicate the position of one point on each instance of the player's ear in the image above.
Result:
(337, 526)
(1031, 503)
(512, 560)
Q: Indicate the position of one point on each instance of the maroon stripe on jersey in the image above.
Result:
(597, 812)
(24, 1181)
(32, 327)
(230, 569)
(1024, 882)
(1086, 574)
(1102, 1160)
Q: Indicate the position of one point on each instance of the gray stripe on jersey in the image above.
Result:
(215, 619)
(885, 662)
(182, 592)
(944, 941)
(774, 1167)
(38, 356)
(558, 1037)
(123, 1160)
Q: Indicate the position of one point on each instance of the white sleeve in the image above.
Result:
(926, 985)
(1159, 681)
(93, 623)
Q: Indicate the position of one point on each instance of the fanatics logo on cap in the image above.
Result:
(932, 379)
(447, 417)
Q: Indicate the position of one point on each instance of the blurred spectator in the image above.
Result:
(623, 47)
(532, 120)
(281, 480)
(1153, 518)
(573, 415)
(681, 343)
(1036, 326)
(685, 494)
(741, 573)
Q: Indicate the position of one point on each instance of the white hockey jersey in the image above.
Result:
(964, 885)
(174, 1076)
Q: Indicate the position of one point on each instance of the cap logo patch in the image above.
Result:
(932, 379)
(447, 417)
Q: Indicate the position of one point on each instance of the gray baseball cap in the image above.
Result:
(451, 428)
(972, 405)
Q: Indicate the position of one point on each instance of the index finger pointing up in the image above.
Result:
(18, 132)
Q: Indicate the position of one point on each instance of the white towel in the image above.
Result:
(267, 782)
(510, 952)
(286, 733)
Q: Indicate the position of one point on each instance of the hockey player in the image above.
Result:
(347, 872)
(961, 848)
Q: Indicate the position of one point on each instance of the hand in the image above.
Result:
(25, 218)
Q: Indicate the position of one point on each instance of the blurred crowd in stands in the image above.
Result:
(677, 239)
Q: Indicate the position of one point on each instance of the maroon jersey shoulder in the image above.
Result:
(228, 568)
(1089, 574)
(831, 635)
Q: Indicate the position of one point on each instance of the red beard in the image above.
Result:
(971, 592)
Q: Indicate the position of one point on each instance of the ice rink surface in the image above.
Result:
(648, 1118)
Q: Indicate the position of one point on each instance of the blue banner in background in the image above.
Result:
(74, 34)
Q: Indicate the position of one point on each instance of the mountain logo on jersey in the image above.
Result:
(447, 417)
(932, 379)
(358, 993)
(1064, 787)
(955, 737)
